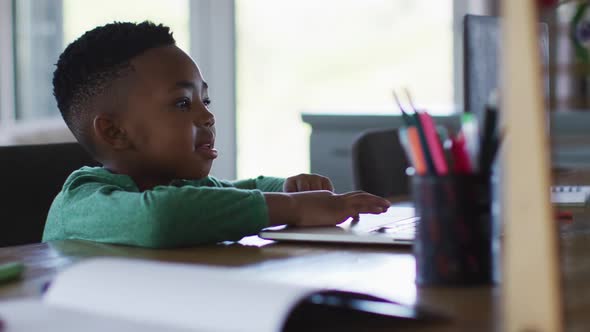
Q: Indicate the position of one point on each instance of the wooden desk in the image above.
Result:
(384, 271)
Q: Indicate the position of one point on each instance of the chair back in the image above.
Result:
(379, 163)
(31, 176)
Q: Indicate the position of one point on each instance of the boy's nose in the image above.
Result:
(205, 119)
(210, 121)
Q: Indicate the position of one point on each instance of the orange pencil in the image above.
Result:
(416, 148)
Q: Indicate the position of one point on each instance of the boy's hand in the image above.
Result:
(307, 182)
(321, 208)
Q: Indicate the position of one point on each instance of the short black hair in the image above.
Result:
(89, 65)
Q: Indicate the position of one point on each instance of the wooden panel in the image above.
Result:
(530, 289)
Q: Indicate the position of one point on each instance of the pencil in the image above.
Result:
(11, 271)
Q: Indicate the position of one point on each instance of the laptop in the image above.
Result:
(396, 226)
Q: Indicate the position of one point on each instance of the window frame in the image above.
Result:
(7, 69)
(213, 41)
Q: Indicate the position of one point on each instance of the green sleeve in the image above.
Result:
(164, 217)
(263, 183)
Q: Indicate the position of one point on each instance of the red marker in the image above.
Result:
(434, 144)
(460, 155)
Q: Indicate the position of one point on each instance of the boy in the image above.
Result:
(140, 106)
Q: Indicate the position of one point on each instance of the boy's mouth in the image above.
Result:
(206, 150)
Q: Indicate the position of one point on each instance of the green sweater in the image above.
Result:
(98, 205)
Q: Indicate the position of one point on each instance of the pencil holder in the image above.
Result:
(453, 238)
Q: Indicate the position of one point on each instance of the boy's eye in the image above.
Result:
(183, 104)
(206, 101)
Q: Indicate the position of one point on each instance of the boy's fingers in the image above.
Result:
(382, 202)
(369, 198)
(363, 194)
(372, 209)
(353, 193)
(375, 204)
(303, 185)
(290, 186)
(327, 184)
(316, 183)
(362, 206)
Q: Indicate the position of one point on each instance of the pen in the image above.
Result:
(424, 145)
(11, 271)
(403, 139)
(446, 142)
(434, 144)
(424, 137)
(489, 139)
(494, 145)
(471, 136)
(410, 141)
(413, 140)
(405, 116)
(460, 156)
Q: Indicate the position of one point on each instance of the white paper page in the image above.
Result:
(34, 315)
(190, 296)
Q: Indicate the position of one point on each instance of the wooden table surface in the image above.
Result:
(380, 270)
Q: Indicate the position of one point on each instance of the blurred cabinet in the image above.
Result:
(332, 137)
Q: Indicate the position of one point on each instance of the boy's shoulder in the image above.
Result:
(98, 175)
(95, 178)
(101, 176)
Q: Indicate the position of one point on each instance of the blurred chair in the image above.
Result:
(379, 163)
(31, 177)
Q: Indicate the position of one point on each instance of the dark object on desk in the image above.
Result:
(453, 245)
(347, 311)
(31, 177)
(379, 163)
(481, 40)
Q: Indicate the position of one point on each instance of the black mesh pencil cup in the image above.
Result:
(453, 238)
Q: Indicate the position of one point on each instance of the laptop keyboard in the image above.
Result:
(399, 229)
(395, 226)
(395, 223)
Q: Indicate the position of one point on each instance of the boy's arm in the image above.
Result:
(163, 217)
(297, 183)
(170, 216)
(320, 207)
(262, 183)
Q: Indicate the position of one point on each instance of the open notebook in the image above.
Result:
(132, 295)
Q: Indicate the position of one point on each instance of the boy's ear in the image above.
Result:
(107, 130)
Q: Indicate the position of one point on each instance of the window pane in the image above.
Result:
(38, 40)
(332, 56)
(83, 15)
(45, 27)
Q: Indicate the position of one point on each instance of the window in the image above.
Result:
(332, 56)
(34, 32)
(43, 28)
(315, 56)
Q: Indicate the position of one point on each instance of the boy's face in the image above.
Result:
(166, 118)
